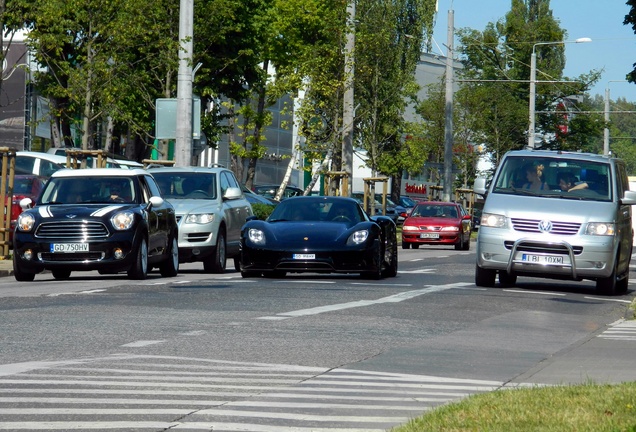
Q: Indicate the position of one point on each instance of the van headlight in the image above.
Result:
(493, 220)
(600, 229)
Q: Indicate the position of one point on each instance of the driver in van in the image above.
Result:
(568, 182)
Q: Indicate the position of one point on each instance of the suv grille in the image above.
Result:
(559, 228)
(72, 231)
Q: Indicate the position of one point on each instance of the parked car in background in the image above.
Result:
(270, 191)
(255, 198)
(91, 161)
(96, 219)
(211, 209)
(476, 219)
(437, 223)
(38, 163)
(407, 202)
(319, 234)
(24, 186)
(390, 209)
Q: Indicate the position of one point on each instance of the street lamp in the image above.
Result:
(533, 83)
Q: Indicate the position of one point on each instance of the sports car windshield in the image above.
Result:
(195, 185)
(317, 210)
(559, 178)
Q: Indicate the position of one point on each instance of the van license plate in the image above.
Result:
(69, 247)
(304, 256)
(542, 259)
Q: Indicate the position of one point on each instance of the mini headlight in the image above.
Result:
(358, 237)
(256, 236)
(200, 218)
(600, 229)
(25, 222)
(122, 220)
(493, 220)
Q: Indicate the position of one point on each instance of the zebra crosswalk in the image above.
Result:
(623, 331)
(139, 392)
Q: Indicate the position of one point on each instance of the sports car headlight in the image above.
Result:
(25, 222)
(200, 218)
(600, 229)
(123, 220)
(256, 236)
(358, 237)
(493, 220)
(410, 228)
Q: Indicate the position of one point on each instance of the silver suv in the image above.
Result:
(210, 209)
(554, 214)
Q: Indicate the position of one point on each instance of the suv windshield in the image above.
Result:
(555, 177)
(195, 185)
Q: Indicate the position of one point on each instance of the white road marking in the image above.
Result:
(607, 299)
(142, 343)
(534, 292)
(396, 298)
(418, 271)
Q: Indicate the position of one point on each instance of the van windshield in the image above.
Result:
(555, 177)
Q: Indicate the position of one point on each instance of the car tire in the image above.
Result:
(611, 285)
(460, 245)
(506, 279)
(392, 263)
(237, 264)
(485, 277)
(20, 275)
(61, 274)
(170, 267)
(377, 273)
(139, 269)
(405, 245)
(466, 245)
(415, 246)
(215, 263)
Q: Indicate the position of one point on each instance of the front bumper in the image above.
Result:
(583, 257)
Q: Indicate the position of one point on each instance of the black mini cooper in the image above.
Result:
(107, 219)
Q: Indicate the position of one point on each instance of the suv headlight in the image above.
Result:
(200, 218)
(600, 229)
(492, 220)
(25, 222)
(123, 220)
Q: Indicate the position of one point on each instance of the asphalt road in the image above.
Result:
(306, 352)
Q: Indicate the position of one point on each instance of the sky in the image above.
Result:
(613, 46)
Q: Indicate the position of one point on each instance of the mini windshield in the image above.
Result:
(555, 177)
(87, 190)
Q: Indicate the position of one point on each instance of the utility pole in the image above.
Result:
(448, 129)
(183, 147)
(347, 111)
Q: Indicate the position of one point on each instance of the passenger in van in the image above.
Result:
(534, 177)
(568, 182)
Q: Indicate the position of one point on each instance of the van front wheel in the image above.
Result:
(485, 277)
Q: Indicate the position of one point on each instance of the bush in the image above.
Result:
(262, 211)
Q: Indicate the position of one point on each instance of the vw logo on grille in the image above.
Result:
(545, 226)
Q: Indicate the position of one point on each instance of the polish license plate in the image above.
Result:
(429, 235)
(542, 259)
(69, 247)
(304, 256)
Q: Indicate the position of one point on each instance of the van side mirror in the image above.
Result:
(480, 186)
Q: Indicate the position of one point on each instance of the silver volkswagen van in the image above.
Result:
(553, 214)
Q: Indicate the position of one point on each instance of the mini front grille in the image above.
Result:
(71, 231)
(558, 228)
(71, 257)
(548, 248)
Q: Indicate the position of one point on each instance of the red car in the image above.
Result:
(24, 186)
(437, 223)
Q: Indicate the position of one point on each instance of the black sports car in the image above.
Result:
(319, 235)
(108, 219)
